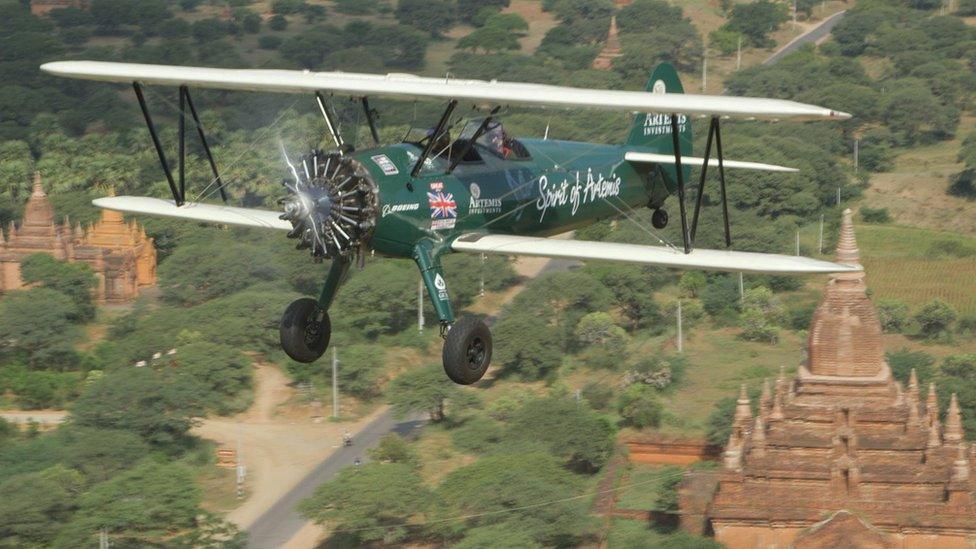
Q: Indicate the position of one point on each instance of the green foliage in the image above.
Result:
(951, 248)
(392, 448)
(381, 299)
(756, 20)
(375, 502)
(489, 39)
(37, 325)
(216, 372)
(913, 112)
(599, 329)
(140, 400)
(35, 506)
(692, 283)
(278, 22)
(74, 280)
(477, 435)
(525, 347)
(718, 427)
(361, 368)
(894, 316)
(963, 184)
(756, 327)
(639, 406)
(875, 215)
(597, 395)
(497, 483)
(959, 373)
(935, 319)
(425, 390)
(720, 295)
(433, 16)
(904, 360)
(568, 430)
(633, 291)
(139, 507)
(35, 389)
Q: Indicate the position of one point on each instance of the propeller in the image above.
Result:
(332, 204)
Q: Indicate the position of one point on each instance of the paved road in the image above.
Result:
(812, 36)
(281, 522)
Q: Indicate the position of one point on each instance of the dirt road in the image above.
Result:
(277, 450)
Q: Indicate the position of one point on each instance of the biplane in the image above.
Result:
(471, 189)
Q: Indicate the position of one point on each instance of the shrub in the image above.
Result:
(756, 327)
(875, 215)
(904, 360)
(477, 435)
(894, 316)
(935, 319)
(639, 407)
(597, 395)
(951, 249)
(269, 42)
(278, 23)
(964, 184)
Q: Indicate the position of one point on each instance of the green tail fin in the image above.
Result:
(652, 131)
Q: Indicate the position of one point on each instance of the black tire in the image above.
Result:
(304, 338)
(659, 218)
(467, 351)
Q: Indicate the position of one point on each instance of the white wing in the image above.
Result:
(709, 260)
(697, 161)
(208, 213)
(406, 85)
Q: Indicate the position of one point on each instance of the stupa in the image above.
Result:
(120, 254)
(842, 451)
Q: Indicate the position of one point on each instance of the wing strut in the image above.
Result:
(371, 120)
(331, 122)
(179, 191)
(433, 138)
(474, 137)
(714, 131)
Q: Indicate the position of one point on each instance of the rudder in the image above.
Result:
(652, 131)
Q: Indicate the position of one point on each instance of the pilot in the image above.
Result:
(499, 141)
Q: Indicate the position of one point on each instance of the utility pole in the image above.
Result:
(838, 196)
(742, 289)
(420, 306)
(680, 335)
(738, 54)
(820, 246)
(857, 143)
(794, 14)
(704, 71)
(335, 383)
(797, 242)
(103, 539)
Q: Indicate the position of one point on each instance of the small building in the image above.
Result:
(120, 254)
(842, 454)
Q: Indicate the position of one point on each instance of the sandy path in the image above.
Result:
(277, 451)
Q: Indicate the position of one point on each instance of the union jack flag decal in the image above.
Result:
(442, 205)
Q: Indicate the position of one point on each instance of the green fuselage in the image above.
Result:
(561, 186)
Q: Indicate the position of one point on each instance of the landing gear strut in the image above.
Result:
(305, 330)
(467, 351)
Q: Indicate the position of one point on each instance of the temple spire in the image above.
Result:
(953, 426)
(759, 438)
(932, 405)
(913, 384)
(766, 398)
(960, 467)
(934, 439)
(743, 411)
(38, 187)
(847, 251)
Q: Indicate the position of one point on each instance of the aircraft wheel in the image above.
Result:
(467, 351)
(659, 218)
(304, 336)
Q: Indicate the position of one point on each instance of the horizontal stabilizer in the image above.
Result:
(418, 87)
(709, 260)
(197, 211)
(697, 161)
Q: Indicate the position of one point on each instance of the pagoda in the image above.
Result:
(120, 254)
(841, 454)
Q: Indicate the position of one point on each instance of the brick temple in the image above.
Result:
(44, 7)
(841, 455)
(120, 254)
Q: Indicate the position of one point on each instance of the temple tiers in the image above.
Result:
(120, 254)
(842, 451)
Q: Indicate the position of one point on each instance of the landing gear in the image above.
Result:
(659, 218)
(467, 351)
(305, 330)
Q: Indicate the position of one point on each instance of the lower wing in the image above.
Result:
(207, 213)
(709, 260)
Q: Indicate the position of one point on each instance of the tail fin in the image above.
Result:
(651, 132)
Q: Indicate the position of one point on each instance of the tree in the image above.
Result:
(433, 16)
(37, 325)
(756, 20)
(278, 22)
(381, 299)
(373, 502)
(426, 390)
(214, 267)
(598, 329)
(361, 367)
(911, 110)
(35, 506)
(526, 347)
(935, 319)
(640, 407)
(99, 454)
(489, 39)
(571, 432)
(138, 400)
(74, 280)
(220, 372)
(893, 315)
(904, 360)
(143, 506)
(514, 480)
(718, 427)
(392, 448)
(692, 283)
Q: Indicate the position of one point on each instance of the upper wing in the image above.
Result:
(709, 260)
(208, 213)
(406, 85)
(655, 158)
